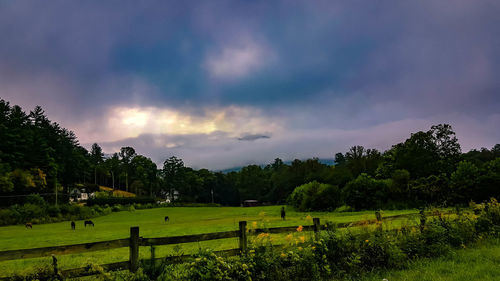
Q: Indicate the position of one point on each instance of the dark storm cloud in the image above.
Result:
(312, 65)
(253, 137)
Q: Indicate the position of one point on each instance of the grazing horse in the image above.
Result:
(29, 225)
(89, 222)
(73, 225)
(167, 218)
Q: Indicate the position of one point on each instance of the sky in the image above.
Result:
(230, 83)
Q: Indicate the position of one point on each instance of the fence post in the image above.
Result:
(378, 216)
(423, 219)
(56, 270)
(243, 237)
(134, 249)
(317, 228)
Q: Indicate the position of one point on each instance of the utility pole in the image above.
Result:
(212, 191)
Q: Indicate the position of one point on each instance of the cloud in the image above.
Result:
(220, 150)
(251, 137)
(192, 78)
(124, 122)
(236, 60)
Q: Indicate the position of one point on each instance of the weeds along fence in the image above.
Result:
(135, 241)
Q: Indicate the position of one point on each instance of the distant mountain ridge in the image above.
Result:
(326, 161)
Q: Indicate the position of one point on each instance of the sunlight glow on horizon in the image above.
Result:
(130, 122)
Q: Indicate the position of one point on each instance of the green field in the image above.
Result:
(478, 263)
(183, 221)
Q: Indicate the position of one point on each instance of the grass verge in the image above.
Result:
(482, 262)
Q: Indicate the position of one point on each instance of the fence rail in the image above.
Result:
(189, 238)
(135, 241)
(63, 250)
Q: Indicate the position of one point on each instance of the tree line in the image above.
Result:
(39, 156)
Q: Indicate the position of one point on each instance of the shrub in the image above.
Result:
(116, 208)
(30, 211)
(315, 196)
(365, 192)
(344, 208)
(53, 211)
(35, 199)
(7, 217)
(120, 200)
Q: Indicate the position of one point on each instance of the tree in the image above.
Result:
(489, 181)
(6, 184)
(208, 187)
(315, 196)
(339, 159)
(253, 183)
(145, 172)
(113, 166)
(277, 164)
(496, 150)
(226, 192)
(365, 192)
(464, 181)
(399, 188)
(355, 160)
(127, 154)
(360, 160)
(173, 169)
(418, 155)
(447, 146)
(96, 158)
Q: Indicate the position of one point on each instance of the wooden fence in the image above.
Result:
(135, 241)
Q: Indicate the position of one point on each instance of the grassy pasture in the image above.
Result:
(183, 221)
(478, 263)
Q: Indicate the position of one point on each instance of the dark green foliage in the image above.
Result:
(366, 192)
(464, 181)
(431, 189)
(315, 196)
(36, 210)
(359, 160)
(120, 201)
(428, 168)
(39, 154)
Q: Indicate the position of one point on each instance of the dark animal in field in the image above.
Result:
(88, 223)
(73, 225)
(29, 225)
(283, 214)
(167, 218)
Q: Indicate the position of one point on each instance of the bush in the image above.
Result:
(365, 192)
(120, 200)
(185, 204)
(37, 210)
(7, 217)
(344, 208)
(53, 211)
(117, 208)
(35, 199)
(30, 211)
(315, 196)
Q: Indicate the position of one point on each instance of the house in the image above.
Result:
(77, 194)
(168, 198)
(250, 203)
